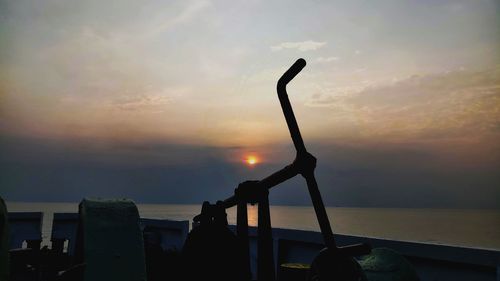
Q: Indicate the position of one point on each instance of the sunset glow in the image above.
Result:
(251, 160)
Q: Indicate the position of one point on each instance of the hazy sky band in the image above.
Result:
(125, 67)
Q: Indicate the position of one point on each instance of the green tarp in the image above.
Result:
(384, 264)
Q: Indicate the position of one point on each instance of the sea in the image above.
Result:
(459, 227)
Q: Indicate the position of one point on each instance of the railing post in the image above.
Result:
(242, 233)
(265, 266)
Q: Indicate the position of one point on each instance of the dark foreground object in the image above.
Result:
(212, 252)
(333, 261)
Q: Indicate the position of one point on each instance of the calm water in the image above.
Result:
(470, 228)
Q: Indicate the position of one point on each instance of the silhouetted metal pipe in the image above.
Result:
(287, 107)
(242, 234)
(304, 162)
(302, 153)
(265, 255)
(278, 177)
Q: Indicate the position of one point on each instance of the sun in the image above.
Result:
(251, 160)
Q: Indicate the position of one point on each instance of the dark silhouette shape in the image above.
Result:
(212, 251)
(333, 261)
(109, 242)
(4, 241)
(160, 263)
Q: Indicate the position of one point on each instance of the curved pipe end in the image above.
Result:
(291, 73)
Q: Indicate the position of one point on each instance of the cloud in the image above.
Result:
(303, 46)
(189, 13)
(360, 70)
(266, 75)
(149, 103)
(452, 104)
(326, 59)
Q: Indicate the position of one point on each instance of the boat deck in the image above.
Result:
(433, 262)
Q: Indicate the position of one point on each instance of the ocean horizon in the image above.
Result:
(474, 228)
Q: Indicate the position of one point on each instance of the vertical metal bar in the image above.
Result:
(265, 263)
(293, 127)
(319, 209)
(242, 233)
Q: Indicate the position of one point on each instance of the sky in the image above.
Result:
(162, 101)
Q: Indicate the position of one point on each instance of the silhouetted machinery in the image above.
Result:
(332, 263)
